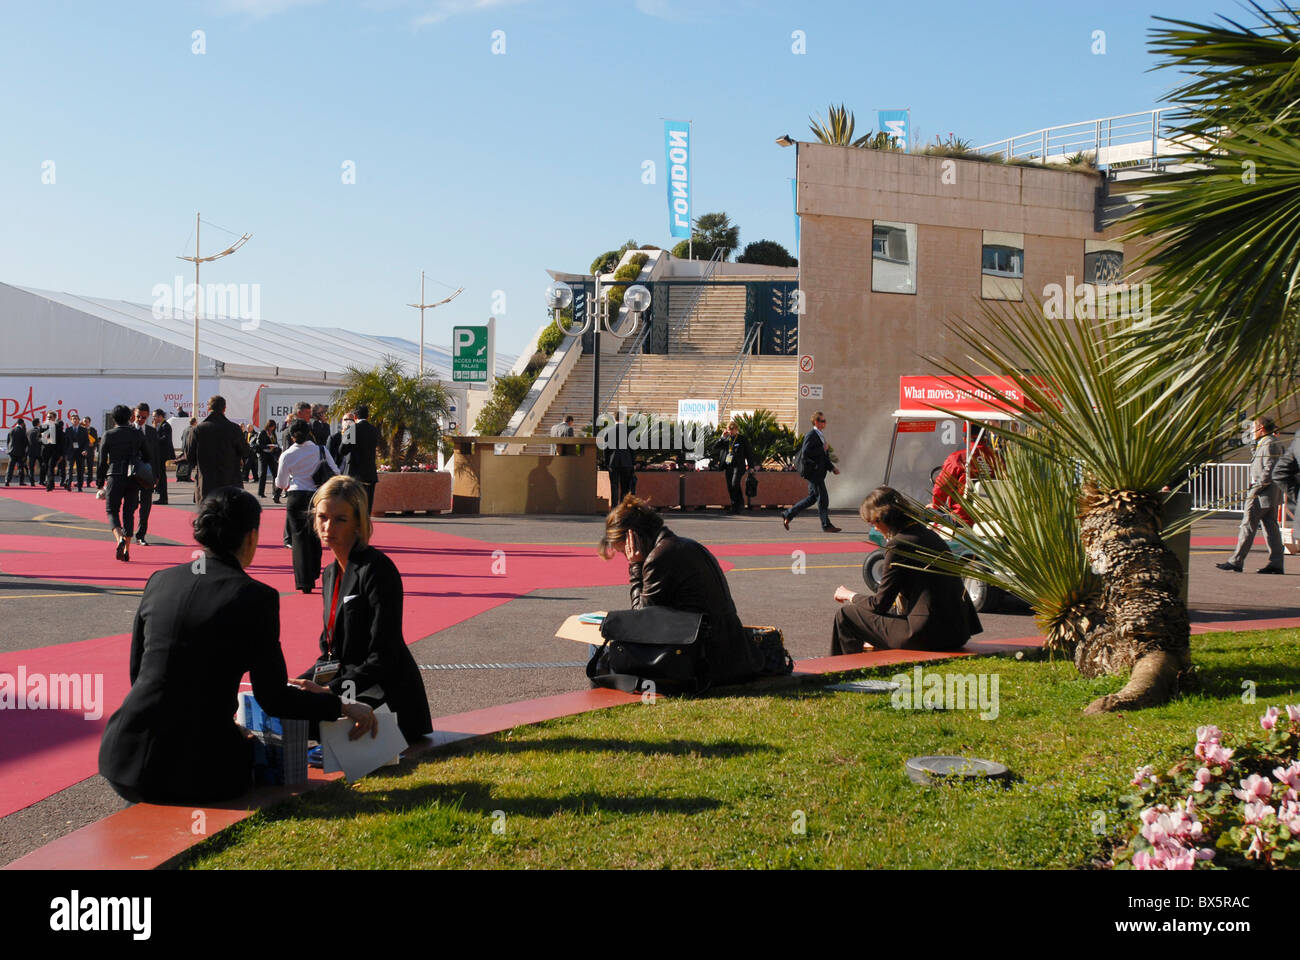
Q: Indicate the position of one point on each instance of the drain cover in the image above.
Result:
(929, 769)
(865, 686)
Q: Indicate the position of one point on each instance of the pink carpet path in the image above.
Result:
(447, 579)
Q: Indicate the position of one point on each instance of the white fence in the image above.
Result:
(1220, 486)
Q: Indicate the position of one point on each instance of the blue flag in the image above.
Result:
(895, 123)
(677, 146)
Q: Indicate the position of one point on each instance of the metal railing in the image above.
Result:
(733, 378)
(633, 352)
(1220, 486)
(1130, 138)
(683, 326)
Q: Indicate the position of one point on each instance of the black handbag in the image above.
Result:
(141, 470)
(657, 645)
(751, 485)
(182, 471)
(769, 644)
(323, 470)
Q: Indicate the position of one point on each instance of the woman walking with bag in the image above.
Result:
(267, 451)
(303, 468)
(118, 452)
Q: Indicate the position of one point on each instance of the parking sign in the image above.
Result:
(469, 354)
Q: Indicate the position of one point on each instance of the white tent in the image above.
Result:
(75, 354)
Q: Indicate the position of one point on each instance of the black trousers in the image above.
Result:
(268, 465)
(621, 483)
(816, 494)
(302, 539)
(160, 486)
(49, 462)
(21, 464)
(120, 502)
(33, 464)
(77, 465)
(735, 486)
(146, 504)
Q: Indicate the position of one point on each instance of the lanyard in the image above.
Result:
(334, 602)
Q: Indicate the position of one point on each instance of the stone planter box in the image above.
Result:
(661, 487)
(408, 492)
(705, 488)
(779, 488)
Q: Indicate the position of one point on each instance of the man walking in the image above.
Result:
(216, 450)
(17, 452)
(1261, 502)
(619, 461)
(361, 453)
(33, 450)
(149, 452)
(814, 463)
(166, 452)
(51, 449)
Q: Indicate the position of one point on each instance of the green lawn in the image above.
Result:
(720, 781)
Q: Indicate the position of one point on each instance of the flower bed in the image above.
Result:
(415, 490)
(1193, 814)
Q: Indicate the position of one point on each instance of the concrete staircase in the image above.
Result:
(657, 381)
(717, 325)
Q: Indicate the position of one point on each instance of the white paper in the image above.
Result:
(362, 756)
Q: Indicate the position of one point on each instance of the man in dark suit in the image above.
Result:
(216, 451)
(737, 458)
(320, 427)
(76, 441)
(33, 450)
(619, 461)
(17, 452)
(361, 452)
(51, 449)
(816, 462)
(152, 455)
(166, 452)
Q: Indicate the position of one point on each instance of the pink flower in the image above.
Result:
(1207, 740)
(1142, 774)
(1253, 788)
(1218, 754)
(1293, 713)
(1203, 777)
(1255, 812)
(1289, 775)
(1257, 847)
(1289, 815)
(1269, 720)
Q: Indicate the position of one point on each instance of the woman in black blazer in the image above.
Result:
(119, 450)
(363, 654)
(199, 628)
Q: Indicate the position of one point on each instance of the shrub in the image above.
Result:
(1193, 814)
(767, 252)
(507, 393)
(606, 262)
(551, 337)
(627, 272)
(638, 260)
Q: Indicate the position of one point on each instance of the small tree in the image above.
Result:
(404, 409)
(767, 252)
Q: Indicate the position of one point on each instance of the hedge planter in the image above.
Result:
(661, 487)
(427, 491)
(705, 488)
(779, 488)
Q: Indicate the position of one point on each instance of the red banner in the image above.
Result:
(949, 393)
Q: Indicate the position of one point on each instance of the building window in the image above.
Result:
(1103, 266)
(893, 257)
(1002, 266)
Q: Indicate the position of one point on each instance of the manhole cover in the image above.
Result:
(929, 769)
(865, 686)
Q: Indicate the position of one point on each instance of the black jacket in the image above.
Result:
(814, 454)
(195, 635)
(117, 451)
(17, 443)
(368, 641)
(684, 575)
(320, 431)
(216, 451)
(742, 454)
(361, 455)
(78, 436)
(166, 448)
(54, 448)
(34, 440)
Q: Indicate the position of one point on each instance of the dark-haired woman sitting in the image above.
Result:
(199, 628)
(671, 571)
(911, 609)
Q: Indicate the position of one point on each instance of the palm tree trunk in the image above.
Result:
(1146, 629)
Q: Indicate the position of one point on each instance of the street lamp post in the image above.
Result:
(198, 300)
(422, 306)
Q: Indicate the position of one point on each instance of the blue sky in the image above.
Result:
(481, 168)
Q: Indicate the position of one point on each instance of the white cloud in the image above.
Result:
(446, 9)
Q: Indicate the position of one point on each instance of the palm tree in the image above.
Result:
(838, 130)
(1226, 259)
(405, 409)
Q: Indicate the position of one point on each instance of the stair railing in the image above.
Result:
(683, 326)
(733, 379)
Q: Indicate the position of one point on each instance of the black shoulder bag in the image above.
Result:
(658, 645)
(323, 470)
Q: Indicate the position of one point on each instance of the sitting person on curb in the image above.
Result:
(671, 571)
(199, 628)
(911, 609)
